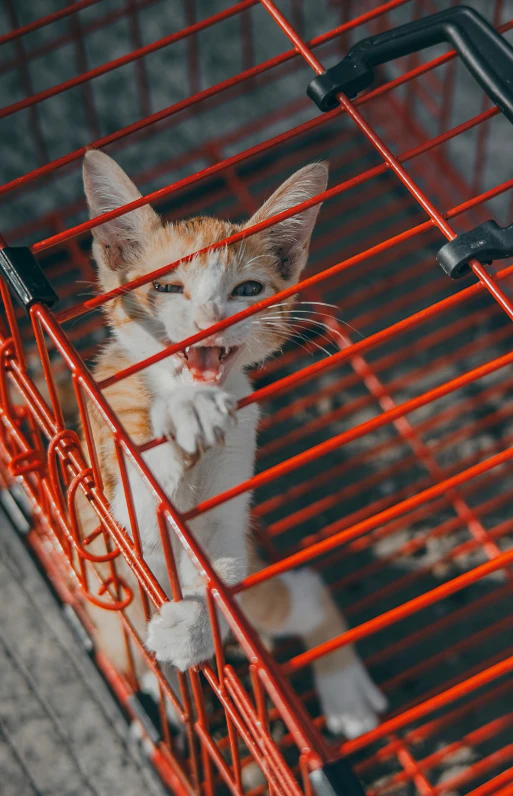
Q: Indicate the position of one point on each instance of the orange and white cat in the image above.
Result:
(190, 398)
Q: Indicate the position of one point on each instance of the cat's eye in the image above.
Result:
(247, 289)
(166, 287)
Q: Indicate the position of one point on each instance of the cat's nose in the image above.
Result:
(203, 323)
(206, 316)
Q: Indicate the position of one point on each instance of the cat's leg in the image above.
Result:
(350, 700)
(181, 633)
(299, 603)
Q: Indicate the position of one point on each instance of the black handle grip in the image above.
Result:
(487, 56)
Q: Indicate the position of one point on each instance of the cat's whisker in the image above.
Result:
(327, 315)
(93, 285)
(319, 303)
(313, 312)
(305, 320)
(327, 336)
(312, 342)
(295, 333)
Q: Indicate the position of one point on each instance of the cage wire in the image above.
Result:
(385, 444)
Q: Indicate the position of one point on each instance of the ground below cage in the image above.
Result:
(61, 733)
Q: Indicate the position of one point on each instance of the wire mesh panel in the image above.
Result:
(385, 439)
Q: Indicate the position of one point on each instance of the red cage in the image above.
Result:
(384, 457)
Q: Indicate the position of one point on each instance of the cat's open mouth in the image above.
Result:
(208, 363)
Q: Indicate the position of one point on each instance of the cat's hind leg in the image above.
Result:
(300, 604)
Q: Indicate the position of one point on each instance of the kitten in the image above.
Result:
(191, 398)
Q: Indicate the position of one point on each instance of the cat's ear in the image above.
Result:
(290, 239)
(107, 187)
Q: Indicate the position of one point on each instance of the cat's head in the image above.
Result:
(211, 286)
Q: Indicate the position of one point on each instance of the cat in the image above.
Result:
(191, 399)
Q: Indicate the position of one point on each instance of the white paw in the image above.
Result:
(350, 700)
(196, 418)
(180, 634)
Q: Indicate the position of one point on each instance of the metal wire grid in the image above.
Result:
(420, 331)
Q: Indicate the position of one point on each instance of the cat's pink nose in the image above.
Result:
(204, 323)
(207, 315)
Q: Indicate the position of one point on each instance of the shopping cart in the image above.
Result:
(386, 441)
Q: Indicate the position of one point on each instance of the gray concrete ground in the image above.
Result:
(61, 733)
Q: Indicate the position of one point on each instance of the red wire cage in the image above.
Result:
(384, 455)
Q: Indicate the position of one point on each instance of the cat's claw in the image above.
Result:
(350, 700)
(180, 634)
(196, 418)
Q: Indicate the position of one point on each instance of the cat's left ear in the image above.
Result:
(290, 239)
(107, 187)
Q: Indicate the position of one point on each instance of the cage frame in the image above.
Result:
(24, 459)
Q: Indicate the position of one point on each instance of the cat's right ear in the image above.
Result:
(107, 187)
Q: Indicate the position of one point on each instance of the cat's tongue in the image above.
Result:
(204, 362)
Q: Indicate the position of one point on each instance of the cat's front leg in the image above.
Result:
(181, 633)
(195, 418)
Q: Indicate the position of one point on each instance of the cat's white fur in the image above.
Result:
(201, 421)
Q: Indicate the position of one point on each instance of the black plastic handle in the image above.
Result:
(487, 56)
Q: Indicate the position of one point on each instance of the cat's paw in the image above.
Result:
(180, 634)
(350, 700)
(196, 418)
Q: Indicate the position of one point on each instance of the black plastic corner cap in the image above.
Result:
(485, 243)
(350, 76)
(25, 277)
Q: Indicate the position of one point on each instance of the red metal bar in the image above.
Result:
(295, 507)
(389, 158)
(451, 695)
(140, 66)
(242, 77)
(304, 284)
(26, 80)
(125, 59)
(77, 6)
